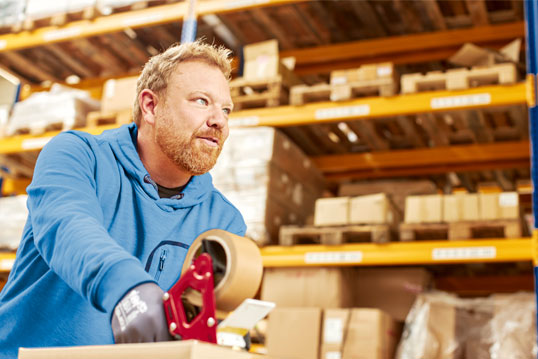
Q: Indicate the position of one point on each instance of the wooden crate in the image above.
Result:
(459, 79)
(292, 235)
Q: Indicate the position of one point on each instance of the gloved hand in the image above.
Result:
(139, 316)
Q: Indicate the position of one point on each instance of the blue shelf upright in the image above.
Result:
(531, 30)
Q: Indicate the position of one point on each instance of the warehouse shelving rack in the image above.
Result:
(420, 253)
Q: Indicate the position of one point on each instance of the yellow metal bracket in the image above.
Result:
(535, 247)
(531, 90)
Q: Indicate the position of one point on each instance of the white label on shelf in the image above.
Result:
(62, 33)
(464, 253)
(241, 3)
(3, 44)
(342, 112)
(6, 264)
(333, 331)
(244, 121)
(508, 199)
(142, 19)
(333, 257)
(35, 143)
(461, 101)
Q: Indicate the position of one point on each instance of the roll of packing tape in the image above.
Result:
(241, 267)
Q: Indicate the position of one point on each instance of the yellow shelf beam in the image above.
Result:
(6, 261)
(28, 143)
(151, 16)
(400, 253)
(394, 253)
(423, 161)
(411, 48)
(372, 107)
(326, 112)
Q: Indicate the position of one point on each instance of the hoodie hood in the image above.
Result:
(124, 145)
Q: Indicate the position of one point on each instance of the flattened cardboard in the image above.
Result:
(189, 349)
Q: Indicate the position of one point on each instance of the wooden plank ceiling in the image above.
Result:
(418, 36)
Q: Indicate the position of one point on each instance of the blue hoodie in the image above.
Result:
(97, 228)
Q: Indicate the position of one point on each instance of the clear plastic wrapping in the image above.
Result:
(442, 326)
(13, 214)
(61, 106)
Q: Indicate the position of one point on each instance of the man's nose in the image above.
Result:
(217, 118)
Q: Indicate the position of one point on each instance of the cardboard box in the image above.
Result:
(471, 55)
(261, 60)
(323, 287)
(250, 147)
(371, 334)
(504, 205)
(397, 190)
(393, 290)
(189, 349)
(424, 209)
(372, 209)
(335, 324)
(119, 94)
(461, 207)
(509, 205)
(369, 72)
(332, 211)
(294, 333)
(269, 179)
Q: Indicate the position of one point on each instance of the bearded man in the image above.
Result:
(111, 217)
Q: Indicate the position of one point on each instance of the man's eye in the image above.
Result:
(202, 101)
(226, 111)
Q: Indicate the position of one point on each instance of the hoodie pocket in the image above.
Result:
(165, 261)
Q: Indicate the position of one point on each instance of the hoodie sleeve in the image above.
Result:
(67, 224)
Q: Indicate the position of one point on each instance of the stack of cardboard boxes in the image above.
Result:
(339, 312)
(269, 179)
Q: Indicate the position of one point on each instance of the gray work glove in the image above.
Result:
(139, 316)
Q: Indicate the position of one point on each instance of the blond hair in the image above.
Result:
(159, 68)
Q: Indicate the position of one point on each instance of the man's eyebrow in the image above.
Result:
(226, 103)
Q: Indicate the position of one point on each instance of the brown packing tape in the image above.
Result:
(243, 268)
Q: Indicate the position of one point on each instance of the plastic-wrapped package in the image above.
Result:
(442, 326)
(13, 214)
(61, 107)
(11, 12)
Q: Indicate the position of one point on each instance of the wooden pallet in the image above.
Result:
(379, 87)
(301, 94)
(459, 79)
(461, 230)
(98, 118)
(377, 233)
(270, 92)
(38, 129)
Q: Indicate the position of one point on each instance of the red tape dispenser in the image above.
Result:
(204, 325)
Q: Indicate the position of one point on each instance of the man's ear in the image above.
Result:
(148, 100)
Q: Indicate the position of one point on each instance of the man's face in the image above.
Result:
(191, 123)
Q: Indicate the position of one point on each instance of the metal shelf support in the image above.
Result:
(531, 16)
